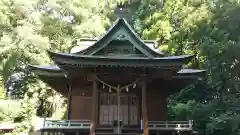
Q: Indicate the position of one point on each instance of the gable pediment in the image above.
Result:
(120, 40)
(121, 43)
(120, 48)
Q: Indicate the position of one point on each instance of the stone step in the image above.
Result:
(117, 134)
(128, 130)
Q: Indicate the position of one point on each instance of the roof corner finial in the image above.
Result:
(122, 10)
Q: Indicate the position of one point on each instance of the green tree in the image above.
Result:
(208, 29)
(28, 29)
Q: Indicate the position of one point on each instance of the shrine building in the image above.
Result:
(117, 84)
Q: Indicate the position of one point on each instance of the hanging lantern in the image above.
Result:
(134, 85)
(103, 86)
(127, 89)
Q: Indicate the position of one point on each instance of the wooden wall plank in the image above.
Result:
(81, 108)
(157, 98)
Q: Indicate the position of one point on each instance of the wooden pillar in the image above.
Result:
(97, 107)
(144, 107)
(94, 101)
(69, 100)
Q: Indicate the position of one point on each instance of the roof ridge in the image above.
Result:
(91, 39)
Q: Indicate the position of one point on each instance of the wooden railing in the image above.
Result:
(170, 125)
(85, 124)
(67, 124)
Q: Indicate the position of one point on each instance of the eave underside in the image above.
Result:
(56, 78)
(173, 85)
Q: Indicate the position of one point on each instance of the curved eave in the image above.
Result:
(118, 22)
(184, 78)
(47, 70)
(73, 59)
(53, 76)
(191, 73)
(59, 84)
(172, 85)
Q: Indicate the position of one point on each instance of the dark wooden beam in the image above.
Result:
(69, 100)
(97, 108)
(94, 105)
(144, 106)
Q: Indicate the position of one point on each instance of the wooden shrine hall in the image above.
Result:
(117, 84)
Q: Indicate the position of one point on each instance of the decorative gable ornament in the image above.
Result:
(121, 36)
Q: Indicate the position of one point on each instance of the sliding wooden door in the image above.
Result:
(128, 110)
